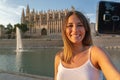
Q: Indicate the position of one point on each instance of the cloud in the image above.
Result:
(9, 14)
(3, 1)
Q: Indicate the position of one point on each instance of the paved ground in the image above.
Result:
(21, 76)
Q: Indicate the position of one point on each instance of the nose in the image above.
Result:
(74, 28)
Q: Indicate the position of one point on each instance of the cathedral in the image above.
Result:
(44, 22)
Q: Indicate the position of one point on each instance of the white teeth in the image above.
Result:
(76, 35)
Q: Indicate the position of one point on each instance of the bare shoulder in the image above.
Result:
(99, 51)
(98, 54)
(58, 56)
(97, 48)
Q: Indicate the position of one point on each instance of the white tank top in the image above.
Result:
(85, 72)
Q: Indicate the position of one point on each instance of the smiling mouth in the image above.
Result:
(76, 35)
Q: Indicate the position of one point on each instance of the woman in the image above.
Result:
(80, 59)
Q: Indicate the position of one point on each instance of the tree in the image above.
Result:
(23, 27)
(9, 29)
(16, 25)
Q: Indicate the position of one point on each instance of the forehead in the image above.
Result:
(74, 18)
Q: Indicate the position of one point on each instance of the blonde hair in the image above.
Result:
(87, 41)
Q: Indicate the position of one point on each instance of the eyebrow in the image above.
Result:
(77, 23)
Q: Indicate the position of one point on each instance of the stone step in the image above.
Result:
(21, 76)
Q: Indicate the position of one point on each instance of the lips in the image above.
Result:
(76, 36)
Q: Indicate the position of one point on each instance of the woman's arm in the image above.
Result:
(104, 62)
(56, 63)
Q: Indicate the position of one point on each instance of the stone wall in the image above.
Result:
(107, 42)
(31, 43)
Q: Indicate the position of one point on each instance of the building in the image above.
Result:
(93, 31)
(44, 22)
(2, 32)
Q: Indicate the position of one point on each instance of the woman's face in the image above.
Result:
(75, 30)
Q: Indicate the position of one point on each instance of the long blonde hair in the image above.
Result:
(87, 41)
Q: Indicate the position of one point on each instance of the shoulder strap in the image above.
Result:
(90, 52)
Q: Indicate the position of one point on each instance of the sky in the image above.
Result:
(11, 10)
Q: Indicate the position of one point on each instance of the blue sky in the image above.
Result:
(10, 10)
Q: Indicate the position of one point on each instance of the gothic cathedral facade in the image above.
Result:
(44, 23)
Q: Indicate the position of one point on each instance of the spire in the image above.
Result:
(23, 13)
(27, 10)
(72, 8)
(33, 12)
(23, 16)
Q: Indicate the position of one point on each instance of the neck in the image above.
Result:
(78, 49)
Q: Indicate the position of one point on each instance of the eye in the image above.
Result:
(70, 25)
(80, 25)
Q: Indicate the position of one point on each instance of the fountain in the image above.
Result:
(19, 46)
(19, 49)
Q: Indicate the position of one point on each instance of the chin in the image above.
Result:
(77, 42)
